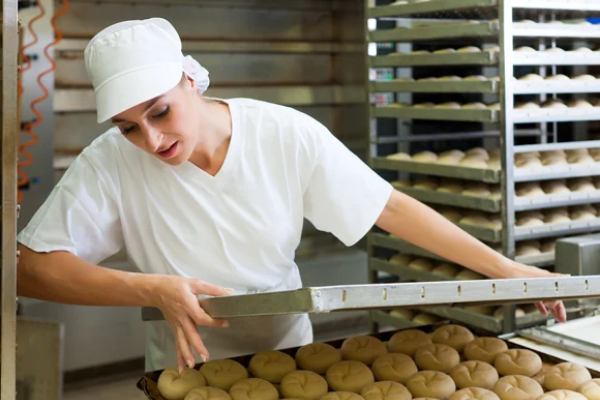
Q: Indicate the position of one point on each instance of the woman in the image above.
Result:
(206, 195)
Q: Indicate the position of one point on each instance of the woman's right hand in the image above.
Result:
(177, 298)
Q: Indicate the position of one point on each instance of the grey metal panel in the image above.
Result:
(74, 131)
(86, 19)
(10, 141)
(228, 69)
(578, 255)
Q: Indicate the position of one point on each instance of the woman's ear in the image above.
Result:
(189, 82)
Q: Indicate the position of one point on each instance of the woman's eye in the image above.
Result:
(162, 113)
(128, 129)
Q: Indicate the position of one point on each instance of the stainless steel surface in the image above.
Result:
(8, 252)
(555, 31)
(558, 172)
(437, 114)
(556, 230)
(526, 87)
(341, 298)
(449, 171)
(559, 5)
(482, 233)
(556, 200)
(410, 60)
(556, 115)
(453, 199)
(586, 144)
(566, 58)
(79, 100)
(40, 358)
(437, 87)
(578, 255)
(560, 341)
(441, 32)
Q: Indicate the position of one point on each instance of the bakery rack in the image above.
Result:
(392, 31)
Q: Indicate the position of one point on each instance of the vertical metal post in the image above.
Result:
(507, 141)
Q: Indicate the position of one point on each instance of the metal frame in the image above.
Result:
(10, 45)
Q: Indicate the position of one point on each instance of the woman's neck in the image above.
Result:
(214, 136)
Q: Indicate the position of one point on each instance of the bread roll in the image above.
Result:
(531, 77)
(450, 78)
(404, 313)
(554, 103)
(304, 385)
(499, 313)
(558, 77)
(469, 49)
(455, 336)
(363, 348)
(444, 51)
(349, 376)
(475, 220)
(524, 250)
(526, 21)
(485, 349)
(474, 393)
(518, 362)
(436, 357)
(421, 264)
(562, 395)
(480, 78)
(431, 384)
(595, 153)
(425, 319)
(578, 103)
(473, 162)
(253, 389)
(385, 391)
(478, 152)
(529, 222)
(175, 386)
(400, 157)
(532, 214)
(556, 218)
(448, 105)
(207, 393)
(396, 367)
(548, 247)
(529, 190)
(271, 366)
(554, 161)
(425, 156)
(468, 275)
(452, 215)
(494, 106)
(426, 184)
(420, 52)
(400, 259)
(553, 153)
(518, 387)
(448, 160)
(581, 185)
(424, 105)
(446, 269)
(528, 163)
(342, 396)
(408, 341)
(474, 106)
(493, 48)
(494, 164)
(474, 374)
(584, 77)
(582, 215)
(590, 389)
(450, 186)
(555, 187)
(554, 50)
(477, 190)
(318, 357)
(223, 374)
(567, 376)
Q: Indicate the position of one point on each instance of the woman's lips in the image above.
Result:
(170, 152)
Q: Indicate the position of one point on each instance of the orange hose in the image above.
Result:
(28, 128)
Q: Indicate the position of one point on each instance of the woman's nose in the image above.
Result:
(152, 138)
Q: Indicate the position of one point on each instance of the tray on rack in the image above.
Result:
(363, 297)
(558, 229)
(566, 58)
(556, 172)
(573, 86)
(542, 30)
(437, 114)
(453, 199)
(438, 86)
(448, 171)
(436, 31)
(410, 60)
(556, 200)
(556, 115)
(427, 7)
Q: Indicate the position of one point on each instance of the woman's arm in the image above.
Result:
(65, 278)
(420, 225)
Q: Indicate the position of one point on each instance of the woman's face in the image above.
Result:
(165, 126)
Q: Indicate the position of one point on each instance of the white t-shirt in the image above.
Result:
(238, 229)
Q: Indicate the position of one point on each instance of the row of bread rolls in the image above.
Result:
(557, 77)
(522, 49)
(557, 104)
(527, 105)
(558, 186)
(481, 78)
(413, 364)
(449, 105)
(422, 318)
(456, 186)
(436, 267)
(490, 159)
(584, 212)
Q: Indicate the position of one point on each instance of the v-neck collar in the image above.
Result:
(218, 181)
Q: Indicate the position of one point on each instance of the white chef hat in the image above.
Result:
(134, 61)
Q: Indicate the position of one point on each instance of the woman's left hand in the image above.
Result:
(557, 308)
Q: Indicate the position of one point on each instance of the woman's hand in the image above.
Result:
(557, 308)
(177, 298)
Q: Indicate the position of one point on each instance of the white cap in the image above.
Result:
(132, 62)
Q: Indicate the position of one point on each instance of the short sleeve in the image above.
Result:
(343, 195)
(81, 216)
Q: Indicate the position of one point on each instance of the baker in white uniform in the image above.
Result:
(208, 197)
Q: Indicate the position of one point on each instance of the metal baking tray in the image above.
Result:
(439, 86)
(439, 31)
(556, 115)
(448, 171)
(436, 114)
(556, 172)
(410, 60)
(573, 86)
(556, 200)
(318, 300)
(555, 31)
(566, 58)
(482, 233)
(427, 7)
(453, 199)
(559, 229)
(405, 272)
(393, 243)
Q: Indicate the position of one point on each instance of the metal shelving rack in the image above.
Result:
(429, 27)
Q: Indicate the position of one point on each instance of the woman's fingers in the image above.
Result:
(200, 317)
(180, 360)
(200, 287)
(558, 310)
(193, 338)
(542, 309)
(184, 347)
